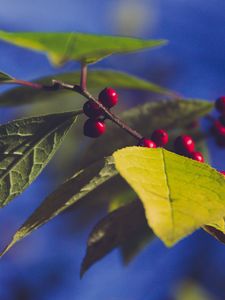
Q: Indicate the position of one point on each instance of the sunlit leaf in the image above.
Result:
(97, 79)
(179, 194)
(26, 146)
(70, 192)
(89, 48)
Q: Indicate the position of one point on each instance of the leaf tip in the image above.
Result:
(6, 249)
(84, 267)
(6, 78)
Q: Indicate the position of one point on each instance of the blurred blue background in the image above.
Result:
(45, 266)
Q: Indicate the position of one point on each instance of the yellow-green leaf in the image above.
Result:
(125, 197)
(5, 78)
(191, 290)
(179, 194)
(89, 48)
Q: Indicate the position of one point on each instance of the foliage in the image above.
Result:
(26, 147)
(87, 48)
(179, 195)
(5, 78)
(176, 194)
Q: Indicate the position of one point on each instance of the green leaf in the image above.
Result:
(146, 118)
(121, 199)
(69, 193)
(190, 290)
(88, 48)
(136, 243)
(179, 194)
(26, 146)
(112, 231)
(216, 229)
(5, 78)
(96, 79)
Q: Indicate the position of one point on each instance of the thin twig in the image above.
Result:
(83, 76)
(108, 113)
(56, 85)
(28, 84)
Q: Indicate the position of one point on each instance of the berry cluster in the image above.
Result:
(218, 128)
(159, 138)
(183, 144)
(95, 125)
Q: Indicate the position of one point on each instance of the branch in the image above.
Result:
(57, 85)
(27, 83)
(83, 76)
(108, 113)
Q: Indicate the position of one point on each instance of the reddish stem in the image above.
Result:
(27, 83)
(82, 91)
(83, 76)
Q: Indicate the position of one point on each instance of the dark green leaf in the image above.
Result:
(136, 243)
(122, 198)
(26, 146)
(70, 192)
(89, 48)
(216, 231)
(5, 78)
(96, 79)
(112, 231)
(146, 118)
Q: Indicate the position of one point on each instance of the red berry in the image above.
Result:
(184, 145)
(218, 128)
(92, 110)
(94, 128)
(108, 97)
(146, 143)
(219, 131)
(222, 172)
(197, 156)
(160, 137)
(220, 104)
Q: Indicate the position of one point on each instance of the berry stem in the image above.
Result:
(28, 84)
(83, 76)
(108, 113)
